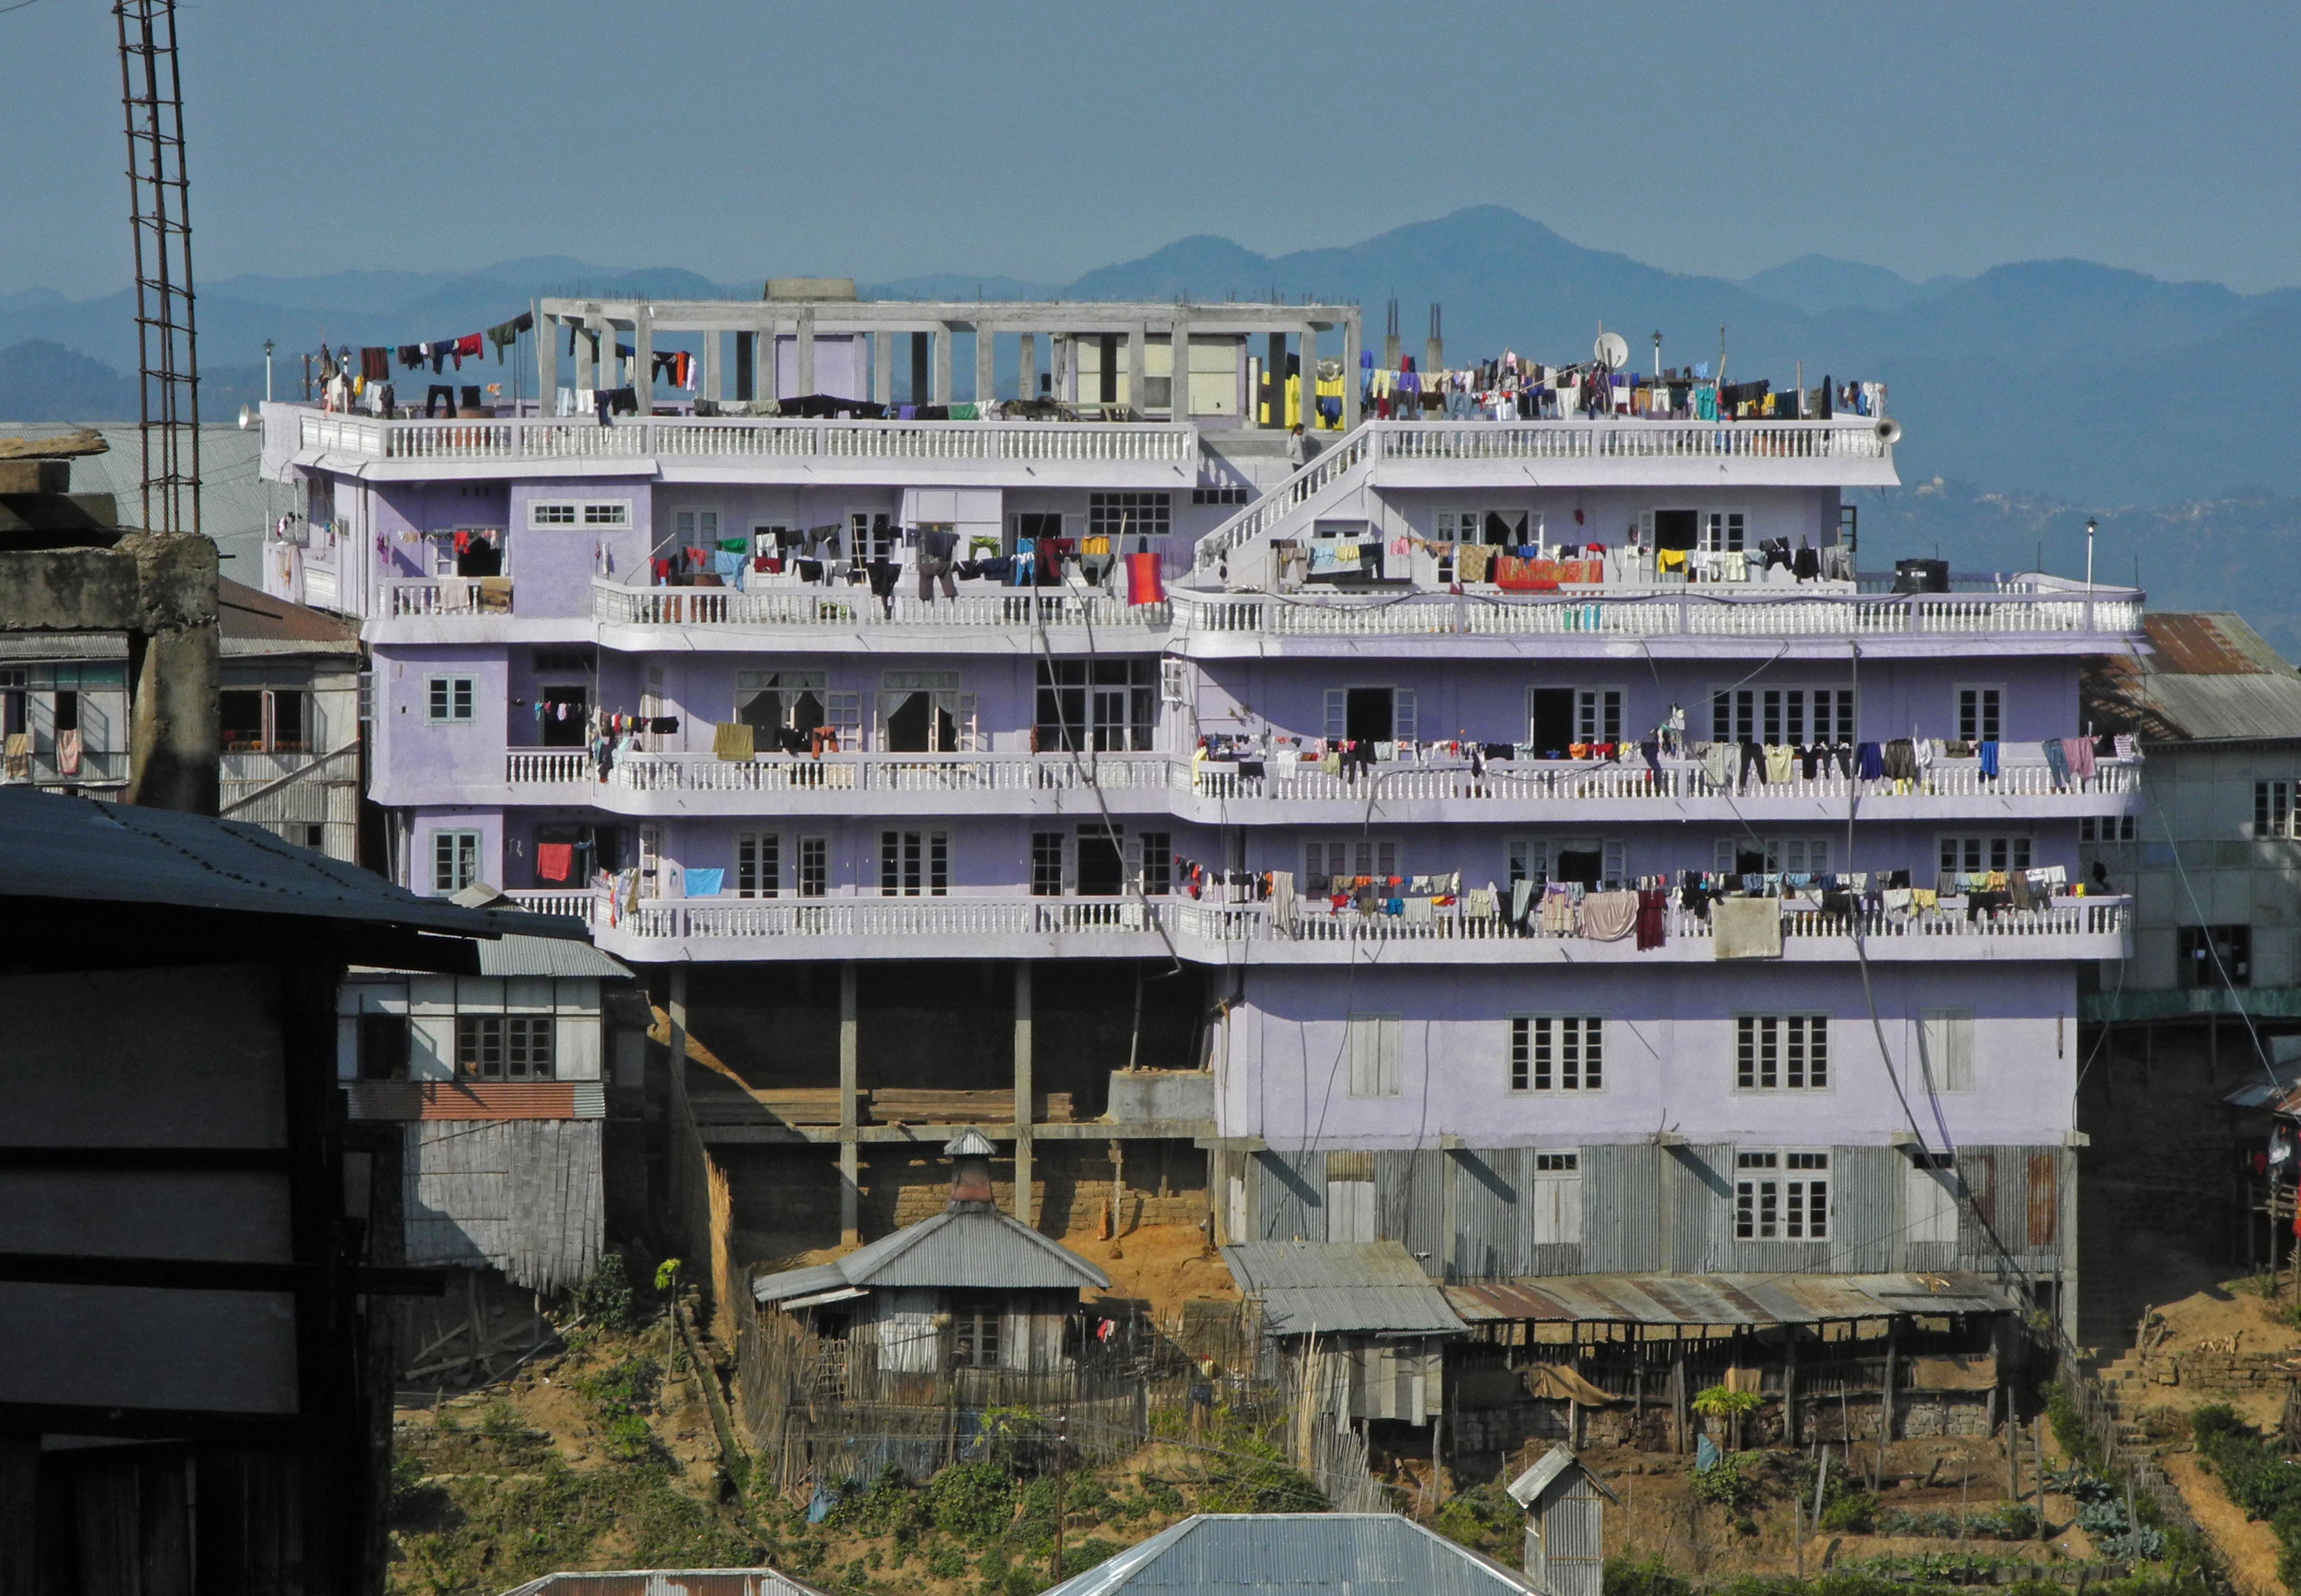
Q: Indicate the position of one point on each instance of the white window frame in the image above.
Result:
(759, 864)
(688, 528)
(811, 866)
(1932, 1194)
(1775, 1200)
(460, 858)
(1556, 1053)
(1385, 856)
(2276, 808)
(1049, 848)
(1768, 714)
(451, 688)
(1351, 1211)
(1403, 719)
(1988, 706)
(2016, 850)
(871, 533)
(1946, 1036)
(1598, 714)
(2126, 828)
(1554, 1199)
(1791, 856)
(1722, 532)
(922, 852)
(582, 515)
(944, 698)
(1535, 858)
(1781, 1053)
(1375, 1048)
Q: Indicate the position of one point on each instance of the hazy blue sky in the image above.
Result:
(1038, 141)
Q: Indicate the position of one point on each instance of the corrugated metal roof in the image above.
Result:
(1528, 1488)
(1339, 1287)
(2210, 677)
(669, 1582)
(248, 614)
(2274, 1086)
(1300, 1554)
(83, 850)
(549, 955)
(1727, 1299)
(971, 1248)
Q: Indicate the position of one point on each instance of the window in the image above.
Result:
(1376, 857)
(1781, 1052)
(1155, 863)
(1046, 864)
(1591, 861)
(455, 860)
(1978, 713)
(759, 864)
(1101, 859)
(923, 712)
(2125, 828)
(495, 1046)
(546, 513)
(1371, 713)
(257, 720)
(1220, 496)
(1556, 1199)
(914, 863)
(2209, 953)
(1556, 1053)
(1782, 714)
(1373, 1049)
(1128, 514)
(1598, 715)
(450, 699)
(873, 535)
(383, 1047)
(1946, 1036)
(2274, 812)
(1174, 682)
(1350, 1197)
(697, 529)
(1974, 855)
(1765, 856)
(813, 866)
(974, 1343)
(1109, 706)
(1722, 530)
(1929, 1199)
(1781, 1197)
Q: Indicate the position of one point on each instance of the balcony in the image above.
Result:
(831, 928)
(736, 447)
(1217, 791)
(447, 596)
(1016, 610)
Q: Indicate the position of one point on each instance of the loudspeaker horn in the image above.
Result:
(1889, 432)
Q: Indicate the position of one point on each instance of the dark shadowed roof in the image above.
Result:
(1725, 1299)
(1341, 1287)
(1299, 1554)
(244, 613)
(81, 850)
(968, 1247)
(2210, 678)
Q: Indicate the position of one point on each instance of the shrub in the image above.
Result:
(1487, 1521)
(972, 1501)
(607, 1298)
(1161, 1495)
(889, 1505)
(1650, 1577)
(1730, 1483)
(1852, 1514)
(1086, 1554)
(1254, 1477)
(947, 1562)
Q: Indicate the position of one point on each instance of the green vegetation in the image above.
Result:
(1935, 1574)
(1485, 1519)
(2262, 1481)
(1735, 1483)
(2010, 1521)
(607, 1299)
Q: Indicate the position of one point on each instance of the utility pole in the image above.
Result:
(1062, 1438)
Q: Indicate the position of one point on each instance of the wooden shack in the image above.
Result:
(1565, 1524)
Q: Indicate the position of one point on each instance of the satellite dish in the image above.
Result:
(1611, 350)
(247, 417)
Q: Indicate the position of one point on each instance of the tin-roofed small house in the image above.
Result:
(1299, 1554)
(1367, 1312)
(971, 1305)
(1565, 1524)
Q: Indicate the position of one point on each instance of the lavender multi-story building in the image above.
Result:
(1322, 837)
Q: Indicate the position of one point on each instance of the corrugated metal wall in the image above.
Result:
(523, 1195)
(1648, 1208)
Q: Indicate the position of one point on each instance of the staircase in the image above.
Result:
(1340, 469)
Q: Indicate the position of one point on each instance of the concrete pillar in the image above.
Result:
(1058, 363)
(882, 367)
(714, 348)
(1026, 367)
(1178, 371)
(1274, 368)
(850, 1167)
(1023, 1093)
(747, 365)
(920, 355)
(1349, 373)
(547, 365)
(175, 669)
(1138, 338)
(940, 393)
(586, 367)
(1309, 337)
(805, 346)
(986, 371)
(643, 361)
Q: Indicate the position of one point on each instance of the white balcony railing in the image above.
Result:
(2022, 773)
(1231, 925)
(447, 596)
(616, 604)
(583, 438)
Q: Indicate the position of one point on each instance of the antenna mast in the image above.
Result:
(152, 97)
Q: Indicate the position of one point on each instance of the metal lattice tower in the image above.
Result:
(151, 93)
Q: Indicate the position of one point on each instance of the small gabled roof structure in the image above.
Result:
(1338, 1288)
(1557, 1469)
(1298, 1554)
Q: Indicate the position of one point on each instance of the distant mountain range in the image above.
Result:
(2026, 389)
